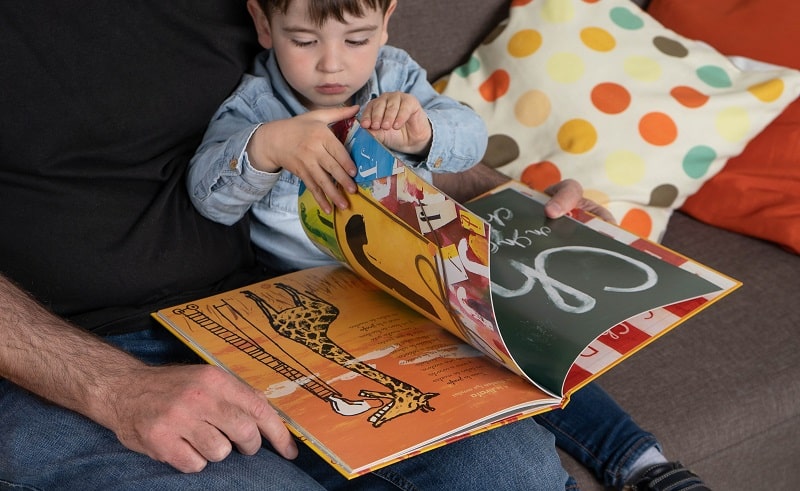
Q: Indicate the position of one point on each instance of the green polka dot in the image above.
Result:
(624, 18)
(698, 160)
(714, 76)
(468, 68)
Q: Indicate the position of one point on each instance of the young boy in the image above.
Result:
(324, 61)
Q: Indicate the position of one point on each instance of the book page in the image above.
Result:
(413, 241)
(558, 285)
(362, 377)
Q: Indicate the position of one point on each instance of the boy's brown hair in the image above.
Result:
(322, 10)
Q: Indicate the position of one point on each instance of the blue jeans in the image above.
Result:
(47, 447)
(596, 432)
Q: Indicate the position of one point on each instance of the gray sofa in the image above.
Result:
(722, 391)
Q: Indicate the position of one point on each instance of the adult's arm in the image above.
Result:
(565, 195)
(183, 415)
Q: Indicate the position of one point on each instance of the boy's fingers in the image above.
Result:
(335, 114)
(341, 167)
(372, 117)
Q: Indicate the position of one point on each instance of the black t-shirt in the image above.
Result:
(102, 105)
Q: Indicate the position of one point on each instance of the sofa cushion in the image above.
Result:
(601, 92)
(758, 192)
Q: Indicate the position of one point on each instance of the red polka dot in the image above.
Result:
(658, 129)
(495, 86)
(610, 98)
(688, 97)
(541, 176)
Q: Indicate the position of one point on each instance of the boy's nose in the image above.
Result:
(330, 60)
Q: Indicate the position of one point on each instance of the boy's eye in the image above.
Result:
(302, 44)
(357, 42)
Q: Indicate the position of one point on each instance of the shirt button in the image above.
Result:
(233, 164)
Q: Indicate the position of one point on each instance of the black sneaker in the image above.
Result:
(671, 476)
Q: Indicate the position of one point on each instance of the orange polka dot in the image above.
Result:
(495, 86)
(540, 176)
(637, 221)
(520, 3)
(688, 97)
(610, 98)
(658, 129)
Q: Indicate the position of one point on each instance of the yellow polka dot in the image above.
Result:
(598, 39)
(524, 43)
(565, 67)
(733, 124)
(642, 68)
(768, 91)
(577, 136)
(532, 108)
(624, 168)
(557, 11)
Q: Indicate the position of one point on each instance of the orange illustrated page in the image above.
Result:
(371, 380)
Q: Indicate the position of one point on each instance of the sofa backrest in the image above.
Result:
(441, 34)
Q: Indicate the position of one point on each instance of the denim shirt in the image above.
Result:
(224, 186)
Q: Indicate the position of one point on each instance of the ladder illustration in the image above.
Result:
(307, 381)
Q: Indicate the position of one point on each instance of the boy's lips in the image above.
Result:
(331, 89)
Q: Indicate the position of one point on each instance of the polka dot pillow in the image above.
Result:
(598, 91)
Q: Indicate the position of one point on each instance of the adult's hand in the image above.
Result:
(568, 195)
(190, 415)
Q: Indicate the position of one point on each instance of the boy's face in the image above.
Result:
(324, 65)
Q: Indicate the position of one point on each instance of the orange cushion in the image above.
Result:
(758, 192)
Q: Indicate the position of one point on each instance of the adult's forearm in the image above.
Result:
(463, 186)
(184, 415)
(60, 362)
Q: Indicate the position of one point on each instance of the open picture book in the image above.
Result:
(438, 320)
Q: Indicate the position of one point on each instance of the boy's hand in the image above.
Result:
(305, 146)
(397, 120)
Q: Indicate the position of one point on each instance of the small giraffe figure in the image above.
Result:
(307, 323)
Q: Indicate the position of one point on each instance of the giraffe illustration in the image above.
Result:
(307, 323)
(250, 347)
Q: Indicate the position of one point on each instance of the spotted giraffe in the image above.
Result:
(307, 323)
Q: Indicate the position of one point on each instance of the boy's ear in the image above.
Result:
(386, 16)
(261, 24)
